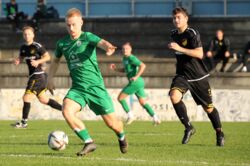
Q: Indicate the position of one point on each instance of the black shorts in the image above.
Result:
(200, 90)
(36, 84)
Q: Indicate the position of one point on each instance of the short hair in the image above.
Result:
(180, 10)
(73, 12)
(28, 27)
(127, 43)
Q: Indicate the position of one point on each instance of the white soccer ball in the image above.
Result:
(57, 140)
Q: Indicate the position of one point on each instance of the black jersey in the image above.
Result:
(187, 66)
(219, 47)
(32, 52)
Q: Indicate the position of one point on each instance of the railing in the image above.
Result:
(140, 8)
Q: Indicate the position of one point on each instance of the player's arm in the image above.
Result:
(211, 48)
(18, 60)
(141, 69)
(114, 68)
(196, 52)
(52, 70)
(45, 57)
(108, 47)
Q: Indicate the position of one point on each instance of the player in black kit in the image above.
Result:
(191, 74)
(35, 55)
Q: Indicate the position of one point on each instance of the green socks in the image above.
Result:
(121, 135)
(83, 135)
(149, 110)
(124, 105)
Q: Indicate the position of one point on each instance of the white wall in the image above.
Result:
(233, 105)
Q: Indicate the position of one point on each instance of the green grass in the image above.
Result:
(148, 145)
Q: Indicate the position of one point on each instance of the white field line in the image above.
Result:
(185, 162)
(102, 134)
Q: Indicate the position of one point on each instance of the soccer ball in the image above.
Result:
(57, 140)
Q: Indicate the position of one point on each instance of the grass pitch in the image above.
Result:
(148, 145)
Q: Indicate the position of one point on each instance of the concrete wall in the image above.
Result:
(233, 105)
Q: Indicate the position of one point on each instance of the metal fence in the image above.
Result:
(139, 8)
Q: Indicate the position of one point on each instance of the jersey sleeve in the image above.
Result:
(93, 39)
(195, 39)
(42, 50)
(58, 50)
(135, 61)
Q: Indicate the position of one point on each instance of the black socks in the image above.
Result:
(181, 112)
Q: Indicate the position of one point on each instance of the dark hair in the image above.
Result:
(180, 10)
(127, 43)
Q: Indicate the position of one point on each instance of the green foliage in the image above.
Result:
(148, 145)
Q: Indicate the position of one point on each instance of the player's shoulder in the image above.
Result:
(36, 44)
(23, 46)
(192, 32)
(174, 32)
(61, 42)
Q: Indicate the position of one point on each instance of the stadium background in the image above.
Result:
(146, 24)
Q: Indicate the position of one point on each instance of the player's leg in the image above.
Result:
(27, 99)
(202, 95)
(181, 111)
(141, 98)
(214, 117)
(44, 99)
(70, 108)
(179, 87)
(122, 100)
(224, 63)
(116, 125)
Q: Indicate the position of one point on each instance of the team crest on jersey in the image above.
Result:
(184, 42)
(78, 43)
(32, 51)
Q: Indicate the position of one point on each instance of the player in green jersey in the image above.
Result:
(79, 50)
(133, 67)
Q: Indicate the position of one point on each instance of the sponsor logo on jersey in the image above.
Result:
(32, 51)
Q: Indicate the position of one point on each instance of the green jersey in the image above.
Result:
(80, 55)
(131, 64)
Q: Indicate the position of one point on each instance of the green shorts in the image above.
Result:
(97, 99)
(135, 87)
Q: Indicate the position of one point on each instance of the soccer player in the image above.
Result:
(35, 55)
(79, 50)
(191, 74)
(219, 50)
(134, 68)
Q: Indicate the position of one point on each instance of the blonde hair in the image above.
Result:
(73, 12)
(28, 27)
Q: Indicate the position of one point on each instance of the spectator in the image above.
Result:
(245, 57)
(41, 12)
(14, 15)
(219, 51)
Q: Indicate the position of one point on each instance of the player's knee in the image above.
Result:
(66, 113)
(142, 102)
(43, 101)
(175, 97)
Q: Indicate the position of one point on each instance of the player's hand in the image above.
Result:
(34, 63)
(110, 50)
(174, 46)
(112, 66)
(209, 54)
(227, 54)
(16, 61)
(133, 78)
